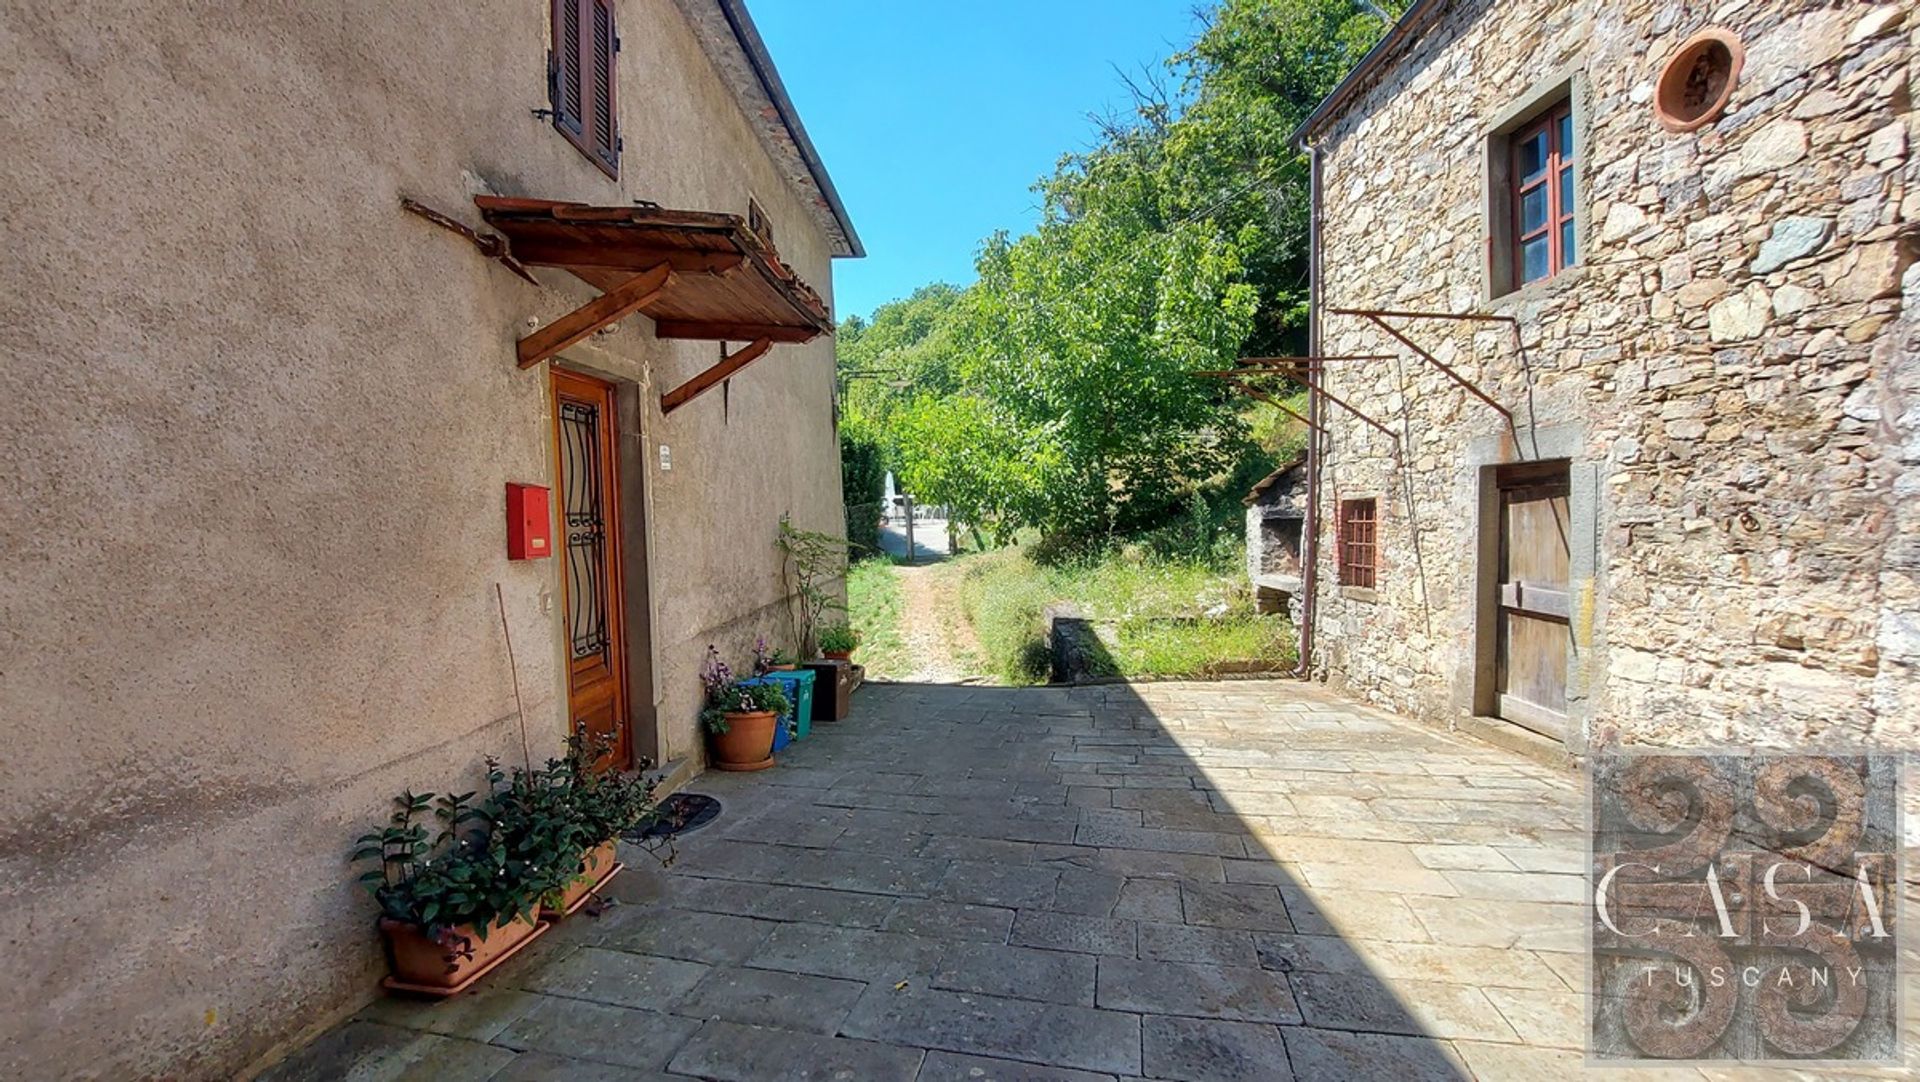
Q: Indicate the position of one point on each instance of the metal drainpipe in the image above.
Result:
(1310, 547)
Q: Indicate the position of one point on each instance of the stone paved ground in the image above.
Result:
(1251, 880)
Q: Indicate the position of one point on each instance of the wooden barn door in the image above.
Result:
(589, 510)
(1534, 637)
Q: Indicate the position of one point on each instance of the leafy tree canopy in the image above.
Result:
(1054, 392)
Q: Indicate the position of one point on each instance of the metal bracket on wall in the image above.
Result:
(1379, 316)
(1279, 367)
(1261, 396)
(491, 245)
(1322, 392)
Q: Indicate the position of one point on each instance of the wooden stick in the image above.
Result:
(519, 709)
(714, 376)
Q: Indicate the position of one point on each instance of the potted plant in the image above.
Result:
(740, 716)
(603, 805)
(837, 642)
(770, 659)
(813, 563)
(455, 905)
(568, 816)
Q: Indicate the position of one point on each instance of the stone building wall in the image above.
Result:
(1732, 368)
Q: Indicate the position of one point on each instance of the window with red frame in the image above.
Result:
(1543, 196)
(1359, 522)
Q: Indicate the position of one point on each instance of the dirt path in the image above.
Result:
(939, 639)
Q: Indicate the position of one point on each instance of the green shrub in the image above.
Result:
(863, 483)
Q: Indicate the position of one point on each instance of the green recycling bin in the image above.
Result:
(800, 689)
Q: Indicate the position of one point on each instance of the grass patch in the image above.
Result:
(1155, 617)
(1001, 595)
(875, 607)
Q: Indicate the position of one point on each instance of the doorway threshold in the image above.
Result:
(1517, 738)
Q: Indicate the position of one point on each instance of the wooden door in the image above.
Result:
(588, 507)
(1534, 636)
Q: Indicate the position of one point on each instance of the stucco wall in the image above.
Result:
(257, 427)
(1743, 435)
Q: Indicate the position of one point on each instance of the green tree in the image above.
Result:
(1056, 391)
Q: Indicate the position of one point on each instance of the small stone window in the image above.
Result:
(1359, 524)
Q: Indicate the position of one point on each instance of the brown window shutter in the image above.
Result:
(605, 47)
(566, 69)
(580, 79)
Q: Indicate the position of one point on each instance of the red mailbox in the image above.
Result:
(529, 522)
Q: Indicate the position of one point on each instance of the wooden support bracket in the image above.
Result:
(609, 307)
(713, 377)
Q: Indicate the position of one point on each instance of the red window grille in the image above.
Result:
(1543, 196)
(1359, 523)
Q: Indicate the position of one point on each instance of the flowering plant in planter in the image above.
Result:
(455, 903)
(536, 820)
(742, 698)
(607, 803)
(769, 659)
(740, 715)
(451, 880)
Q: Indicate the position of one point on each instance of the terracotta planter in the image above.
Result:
(782, 668)
(748, 742)
(600, 865)
(837, 655)
(425, 967)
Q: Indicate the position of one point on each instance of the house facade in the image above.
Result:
(1619, 308)
(311, 307)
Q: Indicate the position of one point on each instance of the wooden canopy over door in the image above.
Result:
(696, 274)
(594, 603)
(1534, 635)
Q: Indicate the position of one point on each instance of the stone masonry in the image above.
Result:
(1733, 368)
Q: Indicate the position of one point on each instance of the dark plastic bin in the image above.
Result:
(833, 688)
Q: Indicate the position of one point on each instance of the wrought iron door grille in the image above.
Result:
(584, 518)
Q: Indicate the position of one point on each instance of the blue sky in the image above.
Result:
(936, 117)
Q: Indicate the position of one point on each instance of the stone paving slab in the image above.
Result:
(932, 919)
(1047, 1033)
(737, 1053)
(1210, 1050)
(1018, 972)
(599, 1032)
(765, 997)
(1179, 881)
(1235, 993)
(951, 1067)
